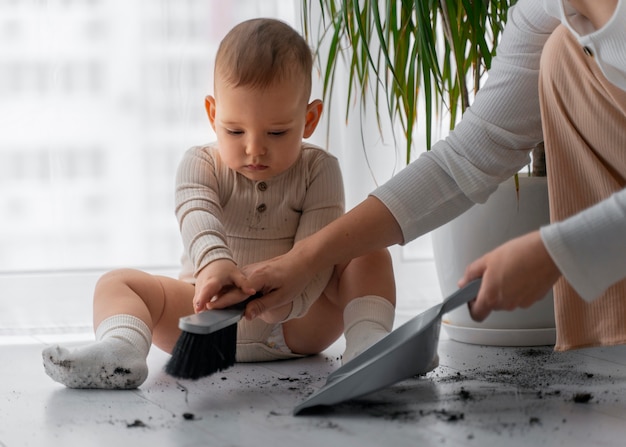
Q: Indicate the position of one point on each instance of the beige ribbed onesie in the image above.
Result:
(223, 214)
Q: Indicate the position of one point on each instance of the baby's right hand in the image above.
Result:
(216, 279)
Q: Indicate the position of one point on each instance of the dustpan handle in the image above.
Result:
(461, 296)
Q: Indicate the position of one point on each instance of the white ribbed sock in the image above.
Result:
(116, 360)
(366, 320)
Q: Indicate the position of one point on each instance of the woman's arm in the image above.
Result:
(367, 227)
(590, 247)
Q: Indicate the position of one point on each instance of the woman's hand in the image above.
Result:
(515, 274)
(280, 280)
(218, 279)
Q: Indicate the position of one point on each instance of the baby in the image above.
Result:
(248, 197)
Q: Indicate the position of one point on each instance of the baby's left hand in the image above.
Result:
(220, 278)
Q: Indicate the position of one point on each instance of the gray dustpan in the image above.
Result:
(406, 352)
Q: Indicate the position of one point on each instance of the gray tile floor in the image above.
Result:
(477, 396)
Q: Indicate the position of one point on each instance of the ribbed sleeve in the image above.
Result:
(489, 145)
(590, 247)
(199, 209)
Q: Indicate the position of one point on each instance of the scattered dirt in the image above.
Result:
(528, 370)
(443, 396)
(447, 416)
(534, 421)
(528, 375)
(532, 352)
(464, 394)
(62, 363)
(137, 423)
(582, 398)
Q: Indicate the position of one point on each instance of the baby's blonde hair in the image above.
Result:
(259, 53)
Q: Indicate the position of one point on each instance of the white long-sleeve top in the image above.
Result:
(494, 139)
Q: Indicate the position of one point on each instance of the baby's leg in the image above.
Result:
(359, 300)
(367, 292)
(130, 308)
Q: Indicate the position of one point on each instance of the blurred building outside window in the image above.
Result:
(98, 101)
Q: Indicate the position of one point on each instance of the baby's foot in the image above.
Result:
(106, 364)
(356, 346)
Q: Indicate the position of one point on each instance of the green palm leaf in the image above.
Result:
(399, 52)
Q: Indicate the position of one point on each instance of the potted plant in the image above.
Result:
(402, 53)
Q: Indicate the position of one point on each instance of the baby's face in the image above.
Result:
(259, 131)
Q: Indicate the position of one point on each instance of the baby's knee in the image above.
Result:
(378, 258)
(121, 277)
(383, 255)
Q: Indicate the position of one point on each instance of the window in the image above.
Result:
(98, 101)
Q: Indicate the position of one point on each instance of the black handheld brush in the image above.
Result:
(207, 344)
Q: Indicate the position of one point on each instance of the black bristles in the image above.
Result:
(196, 356)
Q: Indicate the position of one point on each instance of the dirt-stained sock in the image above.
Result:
(366, 321)
(116, 360)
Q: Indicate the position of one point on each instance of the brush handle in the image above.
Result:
(211, 321)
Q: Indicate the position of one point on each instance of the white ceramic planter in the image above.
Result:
(478, 231)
